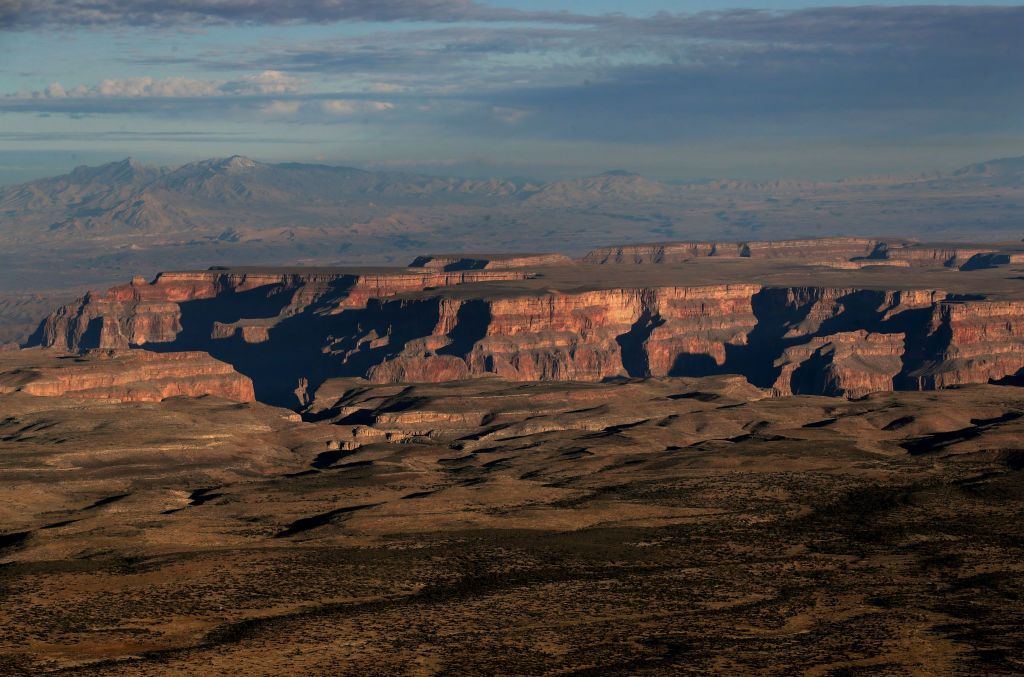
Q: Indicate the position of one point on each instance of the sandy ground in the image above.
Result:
(683, 526)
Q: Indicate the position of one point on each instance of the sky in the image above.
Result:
(517, 88)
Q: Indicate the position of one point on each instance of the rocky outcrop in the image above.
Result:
(843, 248)
(992, 260)
(833, 247)
(290, 332)
(857, 264)
(142, 313)
(971, 342)
(673, 252)
(950, 256)
(357, 291)
(853, 364)
(764, 333)
(126, 376)
(452, 262)
(585, 336)
(834, 252)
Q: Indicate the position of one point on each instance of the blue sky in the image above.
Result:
(675, 90)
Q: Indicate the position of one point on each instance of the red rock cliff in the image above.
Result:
(143, 313)
(290, 333)
(127, 376)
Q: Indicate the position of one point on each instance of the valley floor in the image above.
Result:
(685, 526)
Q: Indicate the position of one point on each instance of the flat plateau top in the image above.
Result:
(1001, 282)
(336, 271)
(1004, 282)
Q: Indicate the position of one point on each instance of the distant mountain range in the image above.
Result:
(128, 197)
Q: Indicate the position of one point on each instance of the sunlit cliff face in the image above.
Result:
(872, 317)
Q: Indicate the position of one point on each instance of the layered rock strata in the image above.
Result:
(292, 332)
(126, 376)
(453, 262)
(843, 248)
(970, 342)
(142, 313)
(837, 252)
(853, 364)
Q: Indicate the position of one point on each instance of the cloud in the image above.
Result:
(190, 136)
(83, 13)
(267, 82)
(408, 52)
(338, 107)
(509, 116)
(281, 108)
(854, 26)
(55, 91)
(386, 88)
(900, 74)
(343, 107)
(148, 87)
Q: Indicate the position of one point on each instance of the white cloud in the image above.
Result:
(386, 88)
(509, 116)
(342, 107)
(267, 82)
(55, 91)
(146, 87)
(281, 108)
(338, 107)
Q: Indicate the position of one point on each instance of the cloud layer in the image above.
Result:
(266, 82)
(911, 76)
(79, 13)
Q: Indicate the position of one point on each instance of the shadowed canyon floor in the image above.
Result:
(693, 458)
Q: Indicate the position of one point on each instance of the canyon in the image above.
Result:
(657, 458)
(787, 316)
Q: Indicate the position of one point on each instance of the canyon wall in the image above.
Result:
(125, 376)
(290, 332)
(840, 248)
(453, 262)
(835, 252)
(142, 313)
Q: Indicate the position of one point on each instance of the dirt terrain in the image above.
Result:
(618, 479)
(639, 527)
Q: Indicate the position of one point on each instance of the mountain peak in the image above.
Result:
(997, 167)
(118, 171)
(238, 163)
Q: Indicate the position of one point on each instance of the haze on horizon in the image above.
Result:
(759, 89)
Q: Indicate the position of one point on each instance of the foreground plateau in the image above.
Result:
(481, 527)
(796, 457)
